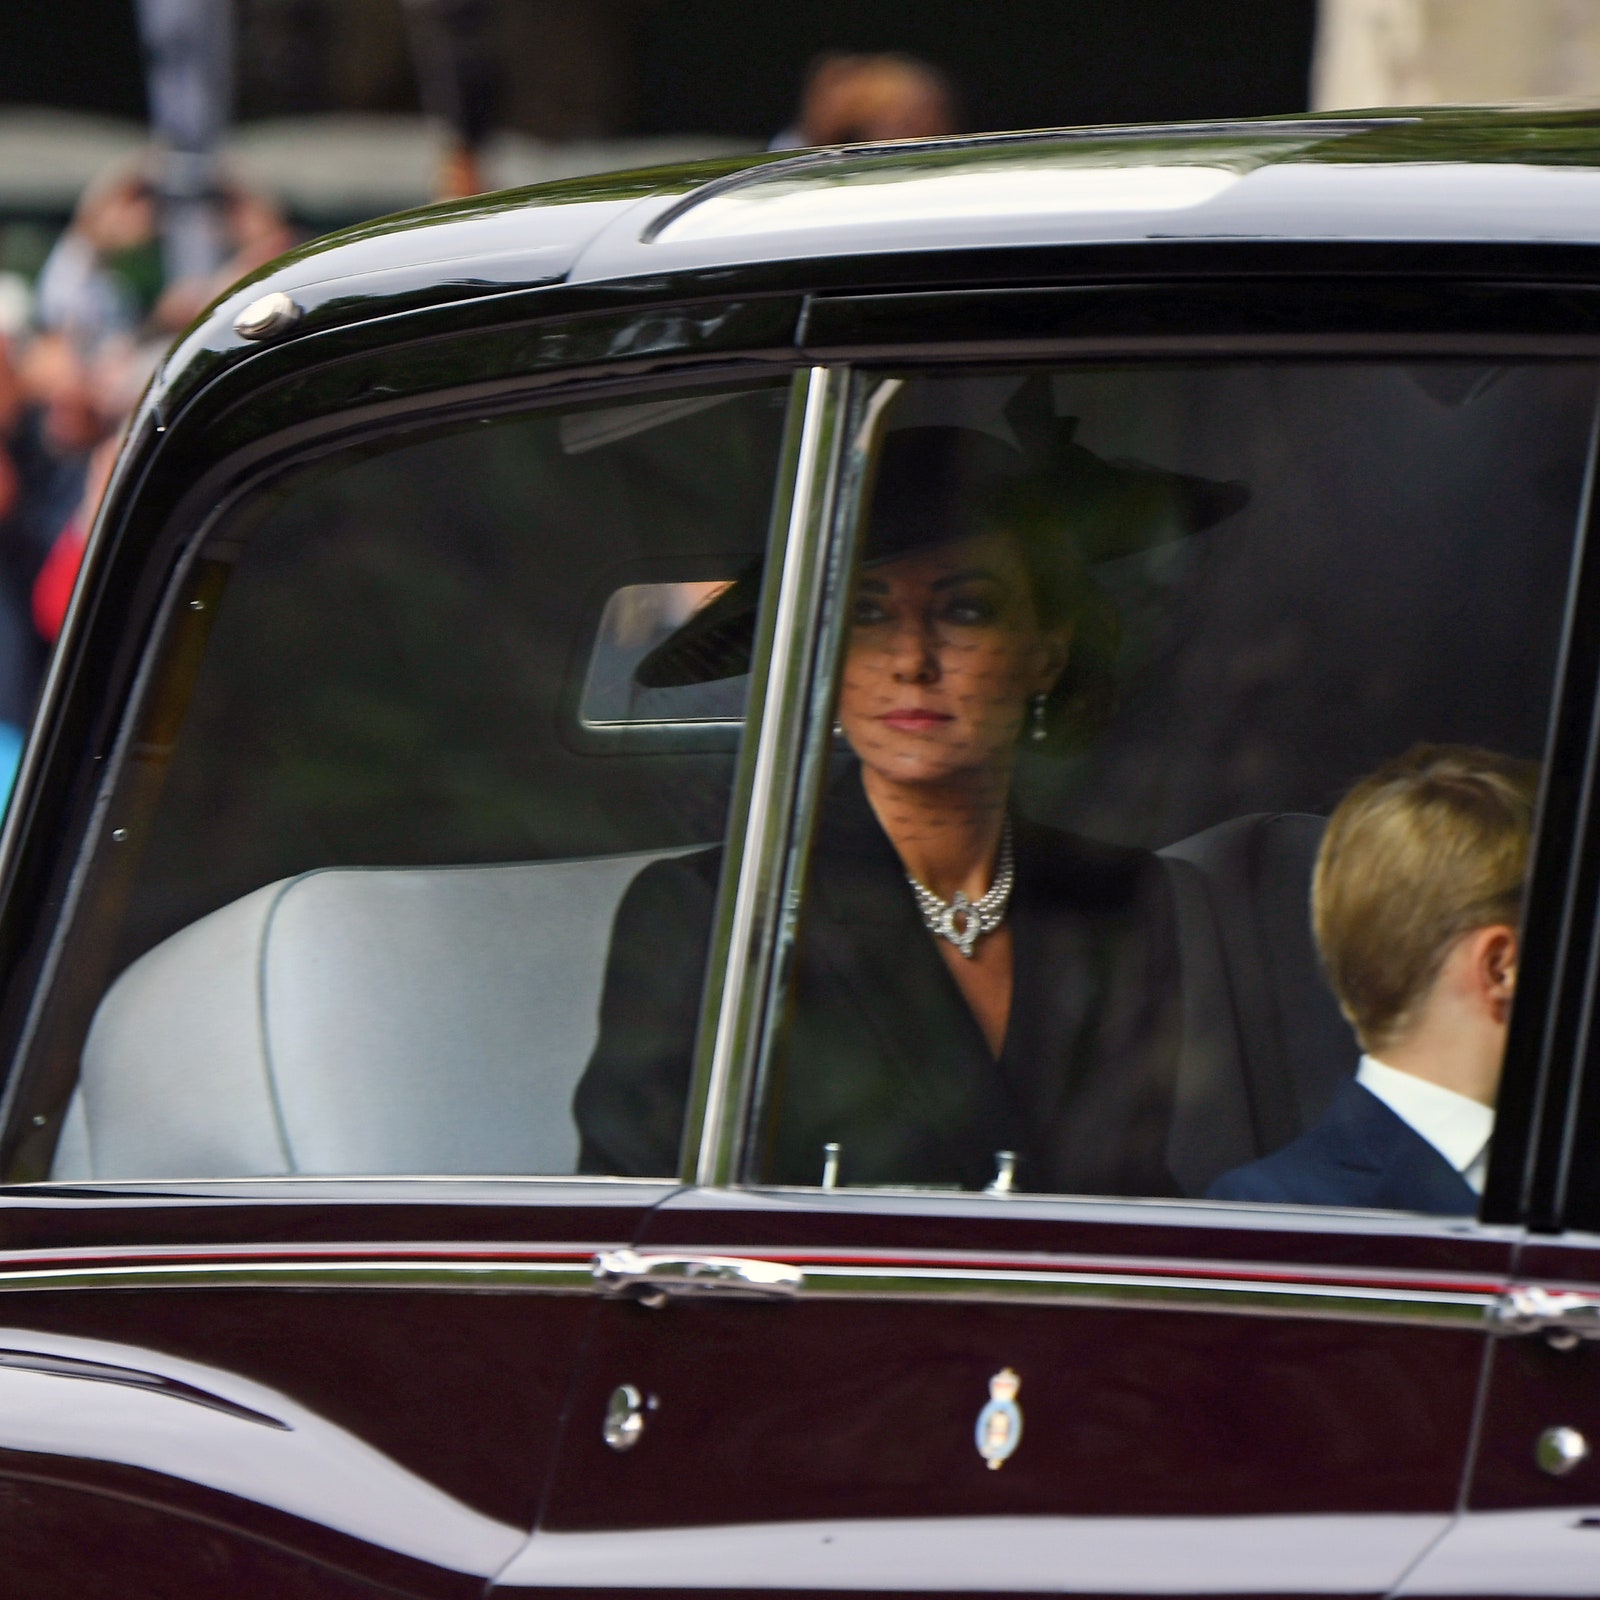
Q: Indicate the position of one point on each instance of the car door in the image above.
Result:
(1528, 1517)
(294, 1248)
(848, 1382)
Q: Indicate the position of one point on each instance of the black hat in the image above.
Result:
(1070, 508)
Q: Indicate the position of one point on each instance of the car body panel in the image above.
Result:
(1525, 1531)
(792, 1445)
(372, 1385)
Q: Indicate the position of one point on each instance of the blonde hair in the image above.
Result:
(1431, 846)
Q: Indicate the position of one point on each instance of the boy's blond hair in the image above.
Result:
(1431, 846)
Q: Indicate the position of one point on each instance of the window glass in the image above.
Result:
(355, 908)
(1136, 656)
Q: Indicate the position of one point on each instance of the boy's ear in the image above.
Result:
(1495, 967)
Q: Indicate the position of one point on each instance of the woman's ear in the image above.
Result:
(1055, 649)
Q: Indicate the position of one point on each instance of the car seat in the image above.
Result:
(356, 1021)
(1264, 1042)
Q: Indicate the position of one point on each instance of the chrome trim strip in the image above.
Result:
(547, 1278)
(406, 1250)
(547, 1269)
(758, 843)
(1127, 1291)
(1443, 1300)
(1190, 1269)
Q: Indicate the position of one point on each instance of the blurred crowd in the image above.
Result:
(73, 364)
(154, 239)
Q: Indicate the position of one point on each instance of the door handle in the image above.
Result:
(655, 1279)
(1566, 1317)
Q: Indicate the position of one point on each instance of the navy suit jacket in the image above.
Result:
(1360, 1154)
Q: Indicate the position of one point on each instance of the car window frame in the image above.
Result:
(175, 556)
(1551, 1029)
(731, 1058)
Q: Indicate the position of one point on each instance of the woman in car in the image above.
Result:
(972, 991)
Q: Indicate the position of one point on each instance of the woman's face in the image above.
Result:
(945, 650)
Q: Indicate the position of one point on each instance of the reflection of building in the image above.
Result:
(1422, 52)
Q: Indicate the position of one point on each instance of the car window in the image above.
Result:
(1189, 721)
(373, 859)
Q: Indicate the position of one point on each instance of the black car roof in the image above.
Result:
(1465, 175)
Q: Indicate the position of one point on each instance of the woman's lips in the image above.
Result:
(915, 721)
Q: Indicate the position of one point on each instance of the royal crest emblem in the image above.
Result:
(999, 1430)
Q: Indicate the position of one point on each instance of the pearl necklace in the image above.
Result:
(960, 920)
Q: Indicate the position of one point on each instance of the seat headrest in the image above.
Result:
(1265, 1044)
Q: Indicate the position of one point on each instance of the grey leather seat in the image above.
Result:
(1264, 1042)
(356, 1021)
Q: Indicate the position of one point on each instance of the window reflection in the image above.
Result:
(637, 619)
(1119, 643)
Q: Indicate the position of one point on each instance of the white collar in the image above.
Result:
(1456, 1126)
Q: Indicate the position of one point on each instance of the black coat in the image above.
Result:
(1359, 1153)
(881, 1053)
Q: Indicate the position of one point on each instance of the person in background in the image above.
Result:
(864, 99)
(458, 76)
(113, 390)
(97, 341)
(20, 656)
(80, 293)
(188, 58)
(1415, 903)
(254, 231)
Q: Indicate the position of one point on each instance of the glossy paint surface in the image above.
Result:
(1228, 1410)
(344, 1383)
(1524, 1531)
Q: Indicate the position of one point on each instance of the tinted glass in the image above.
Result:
(1123, 639)
(356, 915)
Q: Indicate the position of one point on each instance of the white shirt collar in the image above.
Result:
(1456, 1126)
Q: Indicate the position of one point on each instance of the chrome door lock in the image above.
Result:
(625, 1413)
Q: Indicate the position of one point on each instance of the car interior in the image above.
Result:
(368, 925)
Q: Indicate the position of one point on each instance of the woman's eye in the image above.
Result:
(969, 610)
(866, 613)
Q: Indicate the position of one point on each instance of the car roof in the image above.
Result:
(1495, 172)
(1491, 175)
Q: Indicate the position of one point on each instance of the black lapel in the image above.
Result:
(865, 929)
(1091, 1050)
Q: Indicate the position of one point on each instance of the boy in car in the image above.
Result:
(1415, 903)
